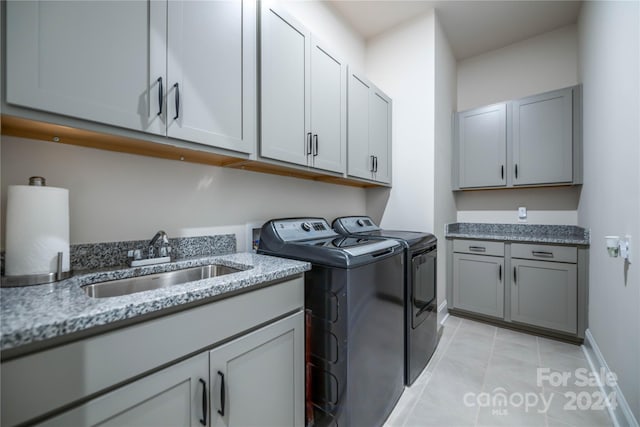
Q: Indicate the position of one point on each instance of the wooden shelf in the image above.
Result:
(25, 128)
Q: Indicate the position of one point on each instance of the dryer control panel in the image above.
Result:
(354, 224)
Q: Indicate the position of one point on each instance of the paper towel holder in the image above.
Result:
(36, 279)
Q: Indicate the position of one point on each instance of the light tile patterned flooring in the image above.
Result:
(476, 364)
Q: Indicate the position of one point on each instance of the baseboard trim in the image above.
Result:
(621, 414)
(443, 312)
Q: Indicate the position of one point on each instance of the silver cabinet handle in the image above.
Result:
(477, 248)
(542, 254)
(309, 144)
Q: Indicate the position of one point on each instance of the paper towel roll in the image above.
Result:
(37, 229)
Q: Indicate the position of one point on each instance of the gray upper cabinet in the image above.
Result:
(534, 141)
(170, 397)
(86, 59)
(328, 109)
(303, 96)
(380, 135)
(360, 163)
(211, 73)
(542, 139)
(482, 152)
(284, 57)
(369, 130)
(182, 69)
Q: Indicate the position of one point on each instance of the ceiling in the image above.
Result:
(472, 27)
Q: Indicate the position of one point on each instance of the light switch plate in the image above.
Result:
(522, 214)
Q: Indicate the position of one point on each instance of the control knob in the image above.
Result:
(306, 226)
(360, 222)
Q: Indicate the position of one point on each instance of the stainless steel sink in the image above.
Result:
(132, 285)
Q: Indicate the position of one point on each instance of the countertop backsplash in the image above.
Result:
(92, 256)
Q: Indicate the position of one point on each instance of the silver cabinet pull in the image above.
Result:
(477, 248)
(542, 254)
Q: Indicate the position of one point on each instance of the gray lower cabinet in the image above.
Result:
(533, 141)
(544, 294)
(531, 285)
(479, 285)
(369, 131)
(164, 371)
(171, 397)
(258, 379)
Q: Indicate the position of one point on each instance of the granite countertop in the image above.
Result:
(534, 233)
(35, 314)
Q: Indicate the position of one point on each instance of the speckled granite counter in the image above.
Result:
(555, 234)
(38, 313)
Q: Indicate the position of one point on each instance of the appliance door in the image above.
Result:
(375, 341)
(423, 286)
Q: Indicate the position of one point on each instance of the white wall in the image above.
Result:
(545, 62)
(325, 23)
(116, 196)
(610, 202)
(445, 105)
(401, 63)
(539, 64)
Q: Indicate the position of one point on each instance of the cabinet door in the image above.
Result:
(360, 163)
(258, 379)
(86, 59)
(211, 73)
(171, 397)
(478, 284)
(284, 109)
(543, 139)
(482, 145)
(328, 109)
(380, 135)
(544, 294)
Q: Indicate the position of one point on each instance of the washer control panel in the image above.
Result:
(302, 229)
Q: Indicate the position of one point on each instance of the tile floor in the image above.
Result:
(482, 375)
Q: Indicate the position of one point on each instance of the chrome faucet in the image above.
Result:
(164, 240)
(137, 258)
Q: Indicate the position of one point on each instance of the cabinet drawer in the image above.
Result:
(545, 252)
(478, 247)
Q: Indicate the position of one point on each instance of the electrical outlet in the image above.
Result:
(522, 214)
